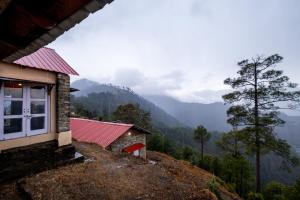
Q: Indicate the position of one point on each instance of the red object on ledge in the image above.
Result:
(133, 147)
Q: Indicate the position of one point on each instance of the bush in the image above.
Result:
(213, 187)
(187, 153)
(274, 191)
(255, 196)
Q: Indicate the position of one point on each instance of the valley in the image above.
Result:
(177, 119)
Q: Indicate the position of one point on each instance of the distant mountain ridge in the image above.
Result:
(174, 113)
(212, 116)
(105, 98)
(86, 87)
(168, 112)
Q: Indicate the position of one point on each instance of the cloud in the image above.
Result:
(161, 85)
(129, 77)
(180, 47)
(149, 85)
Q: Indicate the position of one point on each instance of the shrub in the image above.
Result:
(213, 187)
(255, 196)
(274, 191)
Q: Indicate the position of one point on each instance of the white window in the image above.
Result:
(23, 111)
(136, 153)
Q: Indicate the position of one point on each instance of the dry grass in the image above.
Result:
(112, 176)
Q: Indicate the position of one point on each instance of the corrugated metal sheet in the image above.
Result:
(97, 132)
(46, 59)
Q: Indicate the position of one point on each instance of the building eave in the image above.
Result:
(58, 29)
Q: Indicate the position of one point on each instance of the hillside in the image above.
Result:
(109, 176)
(212, 116)
(103, 99)
(170, 116)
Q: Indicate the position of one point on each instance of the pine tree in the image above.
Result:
(201, 135)
(130, 113)
(237, 169)
(258, 90)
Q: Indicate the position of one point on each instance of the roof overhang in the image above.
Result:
(27, 25)
(135, 127)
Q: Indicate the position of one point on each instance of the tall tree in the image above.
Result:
(258, 91)
(201, 135)
(130, 113)
(237, 169)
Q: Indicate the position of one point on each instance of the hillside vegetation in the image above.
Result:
(110, 176)
(169, 117)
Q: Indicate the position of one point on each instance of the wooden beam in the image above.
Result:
(3, 5)
(38, 19)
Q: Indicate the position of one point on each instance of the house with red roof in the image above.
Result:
(35, 110)
(35, 84)
(116, 137)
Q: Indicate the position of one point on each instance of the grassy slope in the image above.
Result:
(119, 177)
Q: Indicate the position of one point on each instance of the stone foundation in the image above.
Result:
(23, 161)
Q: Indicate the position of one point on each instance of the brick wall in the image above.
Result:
(128, 140)
(63, 103)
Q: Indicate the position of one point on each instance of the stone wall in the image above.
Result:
(23, 161)
(128, 140)
(63, 103)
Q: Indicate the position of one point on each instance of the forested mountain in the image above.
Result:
(103, 99)
(213, 117)
(176, 119)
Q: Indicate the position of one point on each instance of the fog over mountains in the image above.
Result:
(213, 116)
(173, 112)
(168, 114)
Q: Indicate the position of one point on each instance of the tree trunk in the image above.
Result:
(257, 138)
(258, 184)
(202, 151)
(241, 181)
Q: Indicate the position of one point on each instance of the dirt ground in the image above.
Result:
(109, 176)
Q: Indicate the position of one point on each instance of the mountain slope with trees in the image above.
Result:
(101, 100)
(213, 117)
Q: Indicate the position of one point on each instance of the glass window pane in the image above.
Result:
(12, 125)
(13, 90)
(37, 107)
(37, 92)
(12, 107)
(37, 123)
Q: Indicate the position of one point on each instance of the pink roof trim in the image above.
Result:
(98, 132)
(46, 59)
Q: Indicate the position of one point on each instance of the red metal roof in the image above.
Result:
(98, 132)
(46, 59)
(133, 147)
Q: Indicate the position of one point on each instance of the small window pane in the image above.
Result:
(37, 107)
(13, 90)
(37, 123)
(12, 125)
(13, 107)
(37, 92)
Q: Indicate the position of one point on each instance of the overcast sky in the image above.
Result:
(181, 48)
